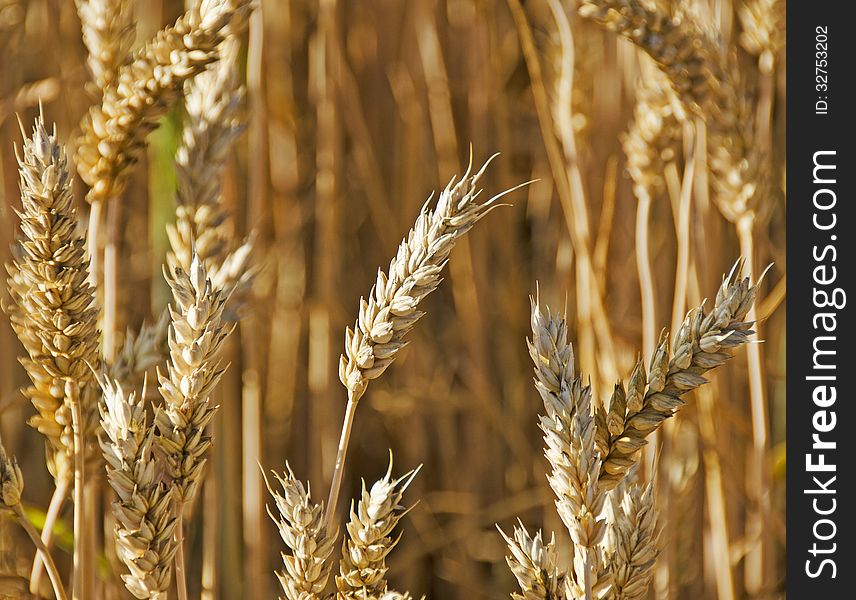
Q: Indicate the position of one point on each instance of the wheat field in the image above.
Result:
(389, 300)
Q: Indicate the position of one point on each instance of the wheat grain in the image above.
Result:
(362, 570)
(52, 311)
(301, 526)
(144, 518)
(534, 565)
(108, 32)
(704, 341)
(114, 131)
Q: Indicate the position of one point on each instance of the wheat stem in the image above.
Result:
(51, 516)
(588, 591)
(341, 454)
(79, 558)
(180, 567)
(683, 259)
(646, 278)
(42, 551)
(757, 472)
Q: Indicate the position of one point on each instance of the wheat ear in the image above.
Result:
(196, 336)
(706, 81)
(11, 488)
(141, 351)
(114, 131)
(362, 570)
(634, 536)
(301, 526)
(143, 510)
(108, 32)
(654, 137)
(54, 318)
(570, 438)
(763, 29)
(52, 310)
(202, 224)
(704, 341)
(535, 565)
(392, 308)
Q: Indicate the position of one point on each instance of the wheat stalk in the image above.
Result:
(704, 341)
(651, 143)
(301, 526)
(11, 488)
(362, 570)
(108, 32)
(144, 518)
(114, 131)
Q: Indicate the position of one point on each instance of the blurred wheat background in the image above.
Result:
(355, 112)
